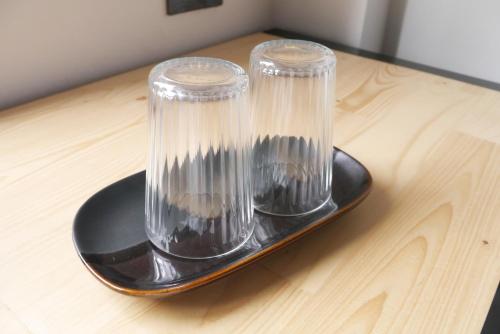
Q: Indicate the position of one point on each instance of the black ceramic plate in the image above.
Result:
(109, 235)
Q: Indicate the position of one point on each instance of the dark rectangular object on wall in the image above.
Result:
(181, 6)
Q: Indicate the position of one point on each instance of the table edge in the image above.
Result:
(387, 59)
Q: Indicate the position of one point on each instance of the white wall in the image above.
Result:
(461, 36)
(457, 35)
(340, 21)
(51, 45)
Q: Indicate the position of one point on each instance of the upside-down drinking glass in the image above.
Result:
(293, 95)
(198, 179)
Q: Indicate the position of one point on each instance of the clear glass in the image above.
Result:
(293, 98)
(198, 180)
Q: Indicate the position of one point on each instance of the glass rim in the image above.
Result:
(311, 58)
(198, 79)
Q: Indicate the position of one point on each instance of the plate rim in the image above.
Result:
(231, 268)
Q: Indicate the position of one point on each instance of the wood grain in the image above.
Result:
(421, 254)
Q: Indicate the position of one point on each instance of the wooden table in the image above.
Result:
(421, 254)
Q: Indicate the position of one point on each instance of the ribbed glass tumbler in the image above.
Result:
(198, 180)
(293, 97)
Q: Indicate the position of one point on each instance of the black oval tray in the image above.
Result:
(109, 235)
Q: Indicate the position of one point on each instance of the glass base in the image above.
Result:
(156, 242)
(257, 208)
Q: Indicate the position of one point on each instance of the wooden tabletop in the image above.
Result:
(421, 254)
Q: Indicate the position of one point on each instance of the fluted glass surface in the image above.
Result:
(293, 95)
(198, 197)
